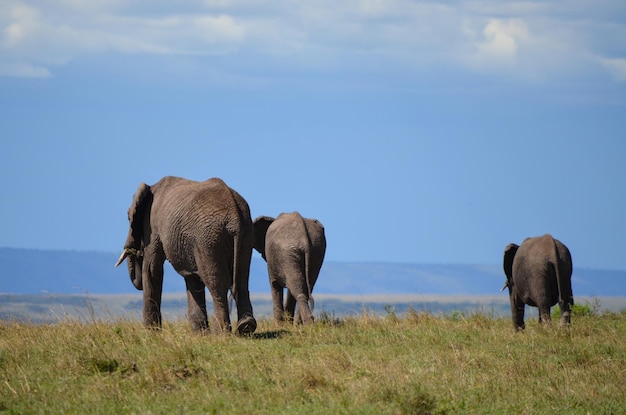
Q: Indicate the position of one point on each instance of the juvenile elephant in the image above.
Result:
(205, 231)
(294, 249)
(538, 273)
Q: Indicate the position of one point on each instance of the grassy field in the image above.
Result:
(410, 363)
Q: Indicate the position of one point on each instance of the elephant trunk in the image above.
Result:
(135, 265)
(134, 258)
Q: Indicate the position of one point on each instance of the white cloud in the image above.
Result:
(23, 22)
(520, 40)
(40, 39)
(615, 67)
(21, 70)
(504, 47)
(219, 29)
(502, 39)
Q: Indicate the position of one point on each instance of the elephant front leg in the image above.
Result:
(517, 312)
(152, 290)
(196, 304)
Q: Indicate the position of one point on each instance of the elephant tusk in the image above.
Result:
(126, 253)
(122, 257)
(506, 284)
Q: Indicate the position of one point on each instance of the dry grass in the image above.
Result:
(414, 363)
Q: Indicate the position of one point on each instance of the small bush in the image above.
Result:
(579, 310)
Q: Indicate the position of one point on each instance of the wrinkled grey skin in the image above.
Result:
(205, 231)
(538, 273)
(294, 249)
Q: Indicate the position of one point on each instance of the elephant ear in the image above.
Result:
(509, 255)
(319, 223)
(136, 213)
(260, 230)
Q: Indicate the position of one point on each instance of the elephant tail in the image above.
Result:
(236, 253)
(307, 268)
(557, 271)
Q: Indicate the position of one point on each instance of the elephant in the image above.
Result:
(294, 249)
(204, 229)
(538, 273)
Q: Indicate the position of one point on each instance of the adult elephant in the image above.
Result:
(205, 231)
(294, 249)
(538, 273)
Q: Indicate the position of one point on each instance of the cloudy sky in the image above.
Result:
(416, 131)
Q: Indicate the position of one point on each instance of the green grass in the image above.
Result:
(415, 363)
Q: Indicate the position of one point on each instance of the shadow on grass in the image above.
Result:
(268, 335)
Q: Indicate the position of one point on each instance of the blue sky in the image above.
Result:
(428, 131)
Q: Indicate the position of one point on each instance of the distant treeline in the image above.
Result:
(47, 308)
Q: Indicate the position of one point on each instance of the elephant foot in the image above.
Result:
(246, 324)
(200, 329)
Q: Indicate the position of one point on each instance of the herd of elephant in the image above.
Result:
(204, 229)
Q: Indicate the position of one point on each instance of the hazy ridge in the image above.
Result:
(29, 271)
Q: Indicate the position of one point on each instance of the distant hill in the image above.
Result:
(30, 271)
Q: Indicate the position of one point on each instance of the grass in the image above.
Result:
(415, 363)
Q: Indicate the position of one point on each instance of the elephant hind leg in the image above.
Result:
(290, 307)
(220, 306)
(544, 315)
(246, 325)
(196, 304)
(566, 314)
(221, 310)
(304, 311)
(277, 300)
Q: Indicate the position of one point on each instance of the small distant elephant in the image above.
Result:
(294, 249)
(204, 229)
(538, 273)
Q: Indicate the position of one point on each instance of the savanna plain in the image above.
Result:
(409, 363)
